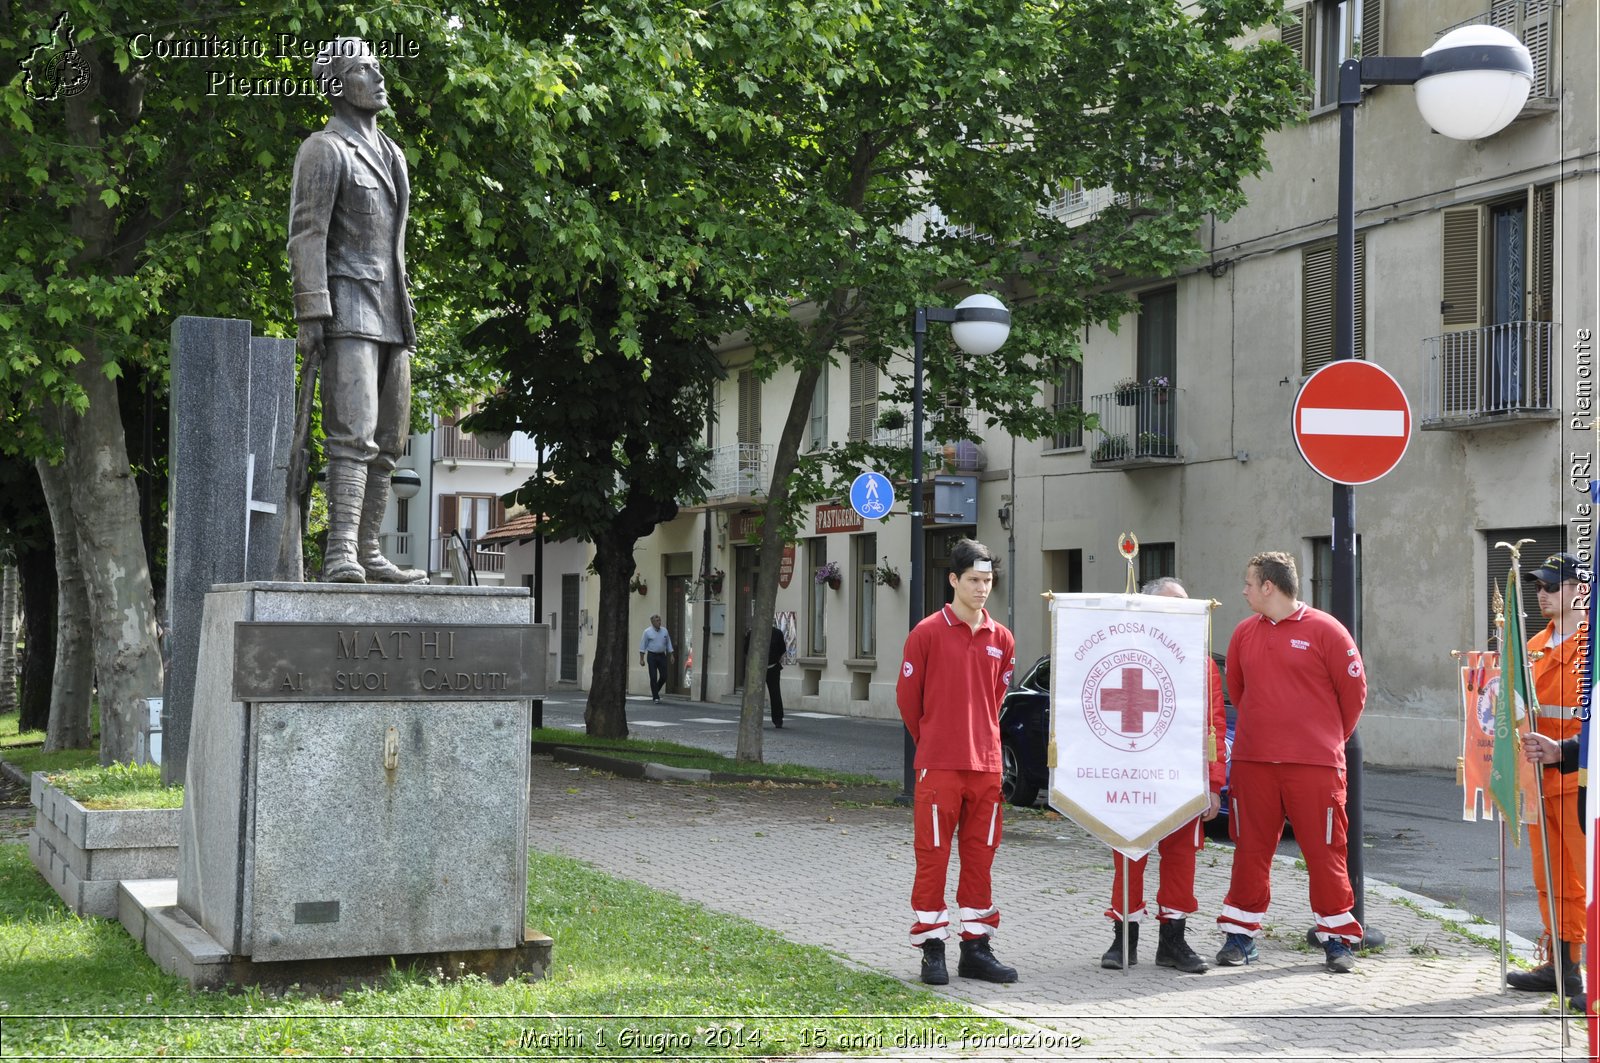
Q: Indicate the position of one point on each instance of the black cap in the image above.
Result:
(1558, 568)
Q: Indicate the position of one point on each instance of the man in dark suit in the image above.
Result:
(347, 234)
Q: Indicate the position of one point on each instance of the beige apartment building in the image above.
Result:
(1476, 288)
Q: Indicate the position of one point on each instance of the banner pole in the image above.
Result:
(1504, 989)
(1127, 918)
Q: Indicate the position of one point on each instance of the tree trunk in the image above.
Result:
(772, 536)
(605, 714)
(9, 586)
(72, 683)
(104, 501)
(36, 570)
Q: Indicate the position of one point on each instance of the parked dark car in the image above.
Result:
(1025, 740)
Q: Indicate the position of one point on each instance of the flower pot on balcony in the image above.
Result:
(835, 582)
(1127, 398)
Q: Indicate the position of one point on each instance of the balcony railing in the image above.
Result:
(1138, 426)
(738, 470)
(449, 442)
(448, 554)
(1492, 374)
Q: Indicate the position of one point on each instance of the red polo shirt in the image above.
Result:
(951, 681)
(1298, 685)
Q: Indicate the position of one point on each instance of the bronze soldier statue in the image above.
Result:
(347, 237)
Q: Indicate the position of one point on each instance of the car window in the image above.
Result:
(1039, 678)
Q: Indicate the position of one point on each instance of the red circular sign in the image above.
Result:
(1352, 422)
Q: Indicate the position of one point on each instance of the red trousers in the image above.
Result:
(1311, 797)
(960, 807)
(1175, 897)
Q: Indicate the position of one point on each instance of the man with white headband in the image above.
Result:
(956, 668)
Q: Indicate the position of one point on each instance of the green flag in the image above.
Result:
(1515, 690)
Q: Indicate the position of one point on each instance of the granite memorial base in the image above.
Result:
(149, 911)
(357, 787)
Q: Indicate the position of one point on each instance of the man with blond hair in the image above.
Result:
(1298, 686)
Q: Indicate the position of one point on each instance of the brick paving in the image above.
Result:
(828, 868)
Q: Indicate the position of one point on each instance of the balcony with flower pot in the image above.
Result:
(1138, 425)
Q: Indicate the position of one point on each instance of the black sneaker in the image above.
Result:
(933, 968)
(1239, 950)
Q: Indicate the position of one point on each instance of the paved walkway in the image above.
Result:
(826, 869)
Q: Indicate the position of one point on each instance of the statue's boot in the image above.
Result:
(346, 485)
(379, 569)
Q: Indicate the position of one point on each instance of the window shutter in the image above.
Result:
(1371, 28)
(1538, 30)
(498, 516)
(449, 510)
(1317, 286)
(1461, 294)
(1293, 34)
(749, 407)
(863, 398)
(1316, 321)
(1541, 251)
(1459, 309)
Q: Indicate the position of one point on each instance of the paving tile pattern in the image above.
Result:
(826, 868)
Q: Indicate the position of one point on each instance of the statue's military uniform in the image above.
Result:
(347, 234)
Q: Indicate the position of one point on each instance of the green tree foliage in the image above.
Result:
(896, 148)
(623, 446)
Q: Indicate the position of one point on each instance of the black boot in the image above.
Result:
(933, 968)
(1542, 979)
(1173, 951)
(1112, 960)
(977, 961)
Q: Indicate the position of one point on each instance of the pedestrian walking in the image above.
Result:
(956, 668)
(655, 649)
(1298, 687)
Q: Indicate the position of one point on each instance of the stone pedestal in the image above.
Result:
(358, 774)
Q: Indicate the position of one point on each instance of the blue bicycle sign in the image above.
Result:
(871, 495)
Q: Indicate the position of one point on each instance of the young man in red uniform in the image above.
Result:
(1556, 662)
(956, 668)
(1298, 688)
(1175, 899)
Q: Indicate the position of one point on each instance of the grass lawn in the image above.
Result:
(682, 756)
(637, 973)
(25, 749)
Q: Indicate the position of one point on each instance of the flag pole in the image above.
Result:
(1500, 641)
(1557, 959)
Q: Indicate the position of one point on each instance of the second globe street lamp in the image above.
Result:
(979, 324)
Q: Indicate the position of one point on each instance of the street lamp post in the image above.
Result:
(1469, 85)
(979, 324)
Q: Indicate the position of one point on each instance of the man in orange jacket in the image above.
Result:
(1556, 657)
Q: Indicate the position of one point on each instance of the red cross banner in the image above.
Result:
(1480, 689)
(1128, 707)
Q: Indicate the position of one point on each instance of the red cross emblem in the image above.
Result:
(1132, 700)
(1137, 711)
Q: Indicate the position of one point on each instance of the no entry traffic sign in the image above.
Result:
(1352, 422)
